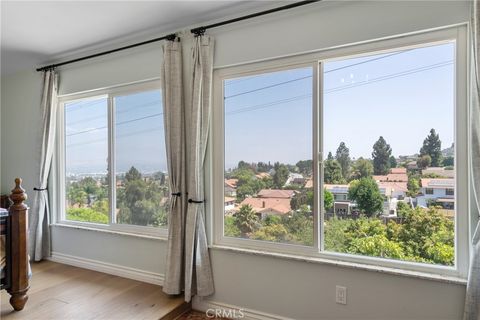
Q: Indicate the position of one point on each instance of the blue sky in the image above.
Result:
(139, 133)
(268, 117)
(399, 96)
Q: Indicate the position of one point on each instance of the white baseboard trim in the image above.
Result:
(113, 269)
(231, 311)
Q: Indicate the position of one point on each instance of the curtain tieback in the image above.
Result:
(176, 194)
(40, 189)
(195, 201)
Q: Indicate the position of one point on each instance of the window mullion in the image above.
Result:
(318, 101)
(111, 159)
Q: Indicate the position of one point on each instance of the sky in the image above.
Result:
(139, 132)
(400, 95)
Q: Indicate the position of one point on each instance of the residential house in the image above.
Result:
(440, 191)
(231, 187)
(295, 178)
(229, 204)
(268, 206)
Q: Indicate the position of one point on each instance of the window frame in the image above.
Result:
(215, 158)
(110, 93)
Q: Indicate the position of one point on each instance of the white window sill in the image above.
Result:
(110, 231)
(353, 265)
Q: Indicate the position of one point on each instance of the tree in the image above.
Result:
(448, 161)
(243, 165)
(327, 200)
(133, 174)
(330, 156)
(427, 236)
(363, 168)
(246, 220)
(305, 167)
(300, 225)
(274, 232)
(413, 186)
(432, 146)
(393, 162)
(343, 157)
(281, 175)
(248, 184)
(263, 167)
(333, 172)
(381, 156)
(86, 215)
(76, 195)
(424, 161)
(140, 202)
(367, 196)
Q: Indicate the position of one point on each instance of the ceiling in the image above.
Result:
(39, 32)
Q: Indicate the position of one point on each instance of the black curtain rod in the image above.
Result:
(170, 37)
(201, 30)
(197, 31)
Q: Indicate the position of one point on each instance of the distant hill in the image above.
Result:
(448, 152)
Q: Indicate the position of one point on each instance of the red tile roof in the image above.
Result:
(398, 170)
(280, 205)
(232, 183)
(275, 193)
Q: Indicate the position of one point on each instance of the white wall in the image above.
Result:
(294, 289)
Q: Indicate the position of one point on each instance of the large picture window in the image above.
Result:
(355, 154)
(115, 171)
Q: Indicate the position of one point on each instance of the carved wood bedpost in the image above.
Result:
(19, 244)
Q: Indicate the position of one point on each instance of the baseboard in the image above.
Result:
(113, 269)
(231, 311)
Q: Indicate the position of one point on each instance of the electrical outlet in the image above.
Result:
(341, 295)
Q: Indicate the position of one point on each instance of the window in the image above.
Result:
(381, 111)
(268, 157)
(115, 171)
(337, 154)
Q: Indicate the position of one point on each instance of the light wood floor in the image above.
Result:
(63, 292)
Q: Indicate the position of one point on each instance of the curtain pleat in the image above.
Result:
(174, 119)
(39, 229)
(198, 272)
(472, 298)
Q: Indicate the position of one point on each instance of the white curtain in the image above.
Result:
(472, 298)
(39, 230)
(174, 119)
(198, 272)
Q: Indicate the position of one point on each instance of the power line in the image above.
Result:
(151, 103)
(117, 137)
(306, 77)
(267, 105)
(117, 124)
(392, 76)
(267, 87)
(362, 62)
(341, 88)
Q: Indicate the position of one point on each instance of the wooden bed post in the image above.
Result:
(19, 244)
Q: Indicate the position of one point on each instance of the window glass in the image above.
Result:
(86, 161)
(268, 183)
(140, 160)
(388, 137)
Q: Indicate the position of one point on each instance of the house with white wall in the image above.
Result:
(437, 191)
